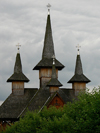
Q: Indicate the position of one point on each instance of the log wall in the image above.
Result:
(79, 87)
(18, 88)
(45, 75)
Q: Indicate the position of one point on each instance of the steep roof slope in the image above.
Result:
(14, 105)
(54, 81)
(48, 50)
(18, 74)
(79, 76)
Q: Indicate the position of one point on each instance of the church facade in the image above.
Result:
(49, 93)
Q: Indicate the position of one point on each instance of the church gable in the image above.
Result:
(56, 101)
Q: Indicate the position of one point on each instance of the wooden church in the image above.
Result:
(49, 92)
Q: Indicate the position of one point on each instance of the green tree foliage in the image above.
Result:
(82, 116)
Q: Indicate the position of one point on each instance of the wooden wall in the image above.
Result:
(53, 89)
(79, 87)
(18, 88)
(45, 75)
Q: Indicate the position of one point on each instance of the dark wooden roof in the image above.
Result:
(48, 50)
(43, 97)
(14, 105)
(33, 99)
(18, 74)
(47, 63)
(79, 76)
(54, 81)
(39, 100)
(68, 95)
(78, 68)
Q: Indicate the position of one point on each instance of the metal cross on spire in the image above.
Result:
(78, 48)
(18, 47)
(48, 6)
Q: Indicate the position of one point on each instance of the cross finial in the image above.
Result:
(53, 59)
(48, 6)
(18, 47)
(78, 48)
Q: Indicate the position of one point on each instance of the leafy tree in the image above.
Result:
(82, 116)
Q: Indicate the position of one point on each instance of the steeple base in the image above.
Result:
(53, 90)
(44, 81)
(79, 87)
(18, 88)
(45, 75)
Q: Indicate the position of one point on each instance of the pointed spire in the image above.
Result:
(78, 76)
(78, 68)
(48, 50)
(18, 65)
(18, 74)
(54, 81)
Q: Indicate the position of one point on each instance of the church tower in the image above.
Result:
(18, 78)
(54, 84)
(45, 64)
(79, 80)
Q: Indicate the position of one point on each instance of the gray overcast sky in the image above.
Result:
(73, 22)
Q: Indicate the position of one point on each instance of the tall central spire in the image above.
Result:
(45, 64)
(48, 50)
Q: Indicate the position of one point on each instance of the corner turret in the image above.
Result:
(79, 80)
(18, 78)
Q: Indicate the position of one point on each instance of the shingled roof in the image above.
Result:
(48, 50)
(54, 81)
(67, 95)
(18, 74)
(79, 76)
(33, 99)
(43, 97)
(15, 104)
